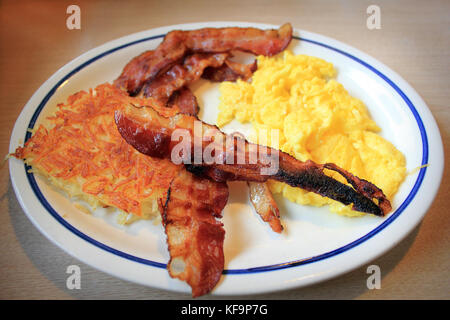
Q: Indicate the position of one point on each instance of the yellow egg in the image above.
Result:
(317, 119)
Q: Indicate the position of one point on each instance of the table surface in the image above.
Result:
(414, 40)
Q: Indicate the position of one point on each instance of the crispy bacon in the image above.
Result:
(185, 101)
(150, 133)
(181, 75)
(265, 205)
(194, 235)
(253, 40)
(177, 44)
(230, 71)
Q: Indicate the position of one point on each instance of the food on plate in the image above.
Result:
(178, 43)
(79, 150)
(215, 67)
(185, 100)
(264, 204)
(204, 53)
(181, 75)
(134, 144)
(153, 134)
(230, 71)
(317, 119)
(194, 234)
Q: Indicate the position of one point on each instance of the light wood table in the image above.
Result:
(34, 43)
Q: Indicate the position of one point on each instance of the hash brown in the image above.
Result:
(81, 152)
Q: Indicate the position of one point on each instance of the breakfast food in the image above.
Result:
(317, 119)
(206, 53)
(265, 204)
(116, 146)
(181, 75)
(178, 43)
(80, 151)
(194, 234)
(152, 134)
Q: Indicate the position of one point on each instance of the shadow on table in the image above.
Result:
(52, 262)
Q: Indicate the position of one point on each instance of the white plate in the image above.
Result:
(317, 244)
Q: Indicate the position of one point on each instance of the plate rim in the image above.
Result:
(87, 58)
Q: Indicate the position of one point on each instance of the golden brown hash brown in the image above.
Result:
(81, 151)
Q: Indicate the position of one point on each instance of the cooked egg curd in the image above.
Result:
(317, 119)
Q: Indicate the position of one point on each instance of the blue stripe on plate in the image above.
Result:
(272, 267)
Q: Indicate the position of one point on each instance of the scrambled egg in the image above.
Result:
(317, 119)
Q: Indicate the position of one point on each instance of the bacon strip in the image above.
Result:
(150, 133)
(253, 40)
(265, 204)
(230, 71)
(185, 101)
(178, 43)
(194, 235)
(180, 76)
